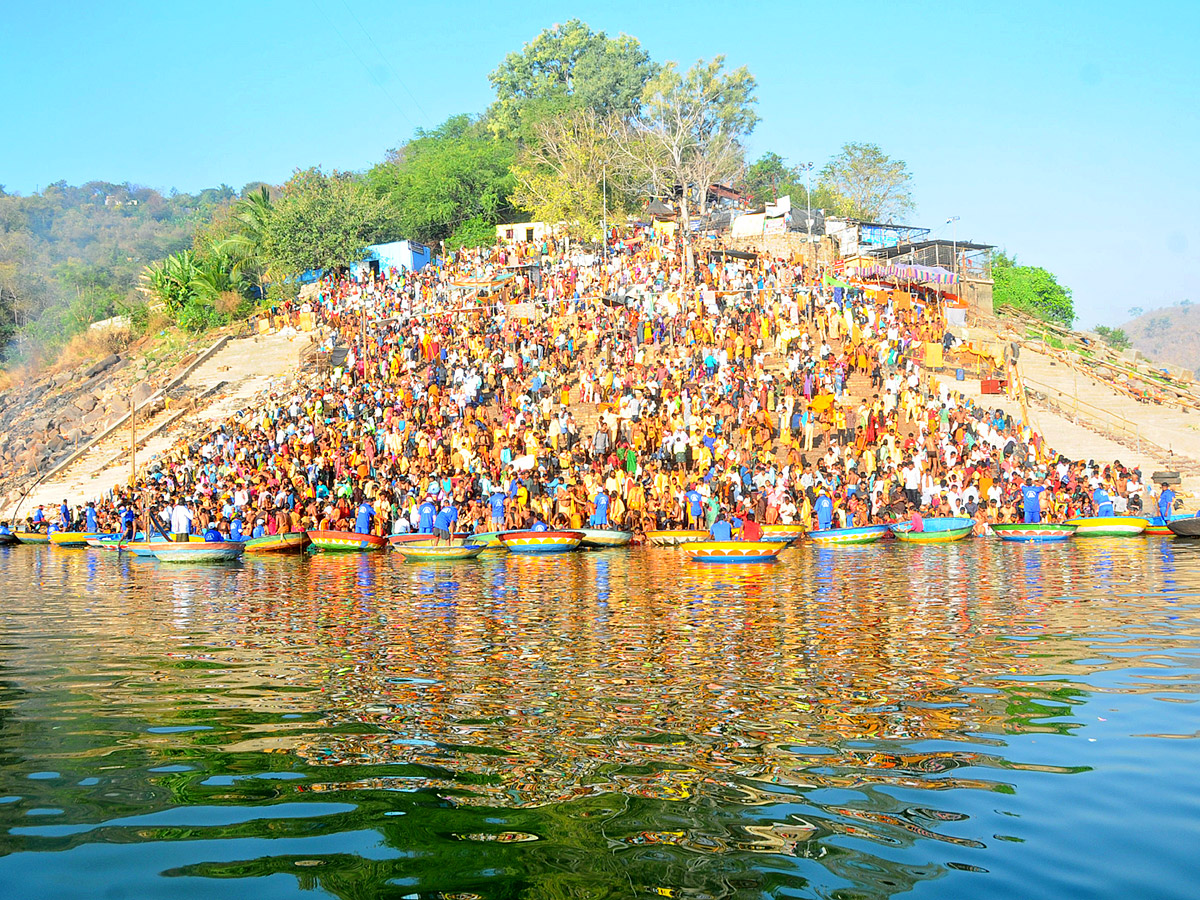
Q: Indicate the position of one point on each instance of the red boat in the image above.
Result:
(345, 541)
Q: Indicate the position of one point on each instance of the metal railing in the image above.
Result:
(1099, 419)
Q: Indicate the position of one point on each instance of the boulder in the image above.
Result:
(39, 424)
(107, 363)
(85, 402)
(141, 393)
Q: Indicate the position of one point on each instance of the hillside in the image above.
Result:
(72, 255)
(1168, 335)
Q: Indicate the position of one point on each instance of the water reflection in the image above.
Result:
(599, 724)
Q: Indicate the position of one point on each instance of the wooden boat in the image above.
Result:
(32, 537)
(836, 537)
(395, 540)
(541, 541)
(782, 533)
(489, 539)
(605, 537)
(1033, 532)
(1159, 525)
(197, 551)
(1188, 527)
(143, 547)
(7, 538)
(675, 537)
(427, 551)
(734, 551)
(937, 530)
(75, 538)
(941, 536)
(345, 542)
(285, 542)
(1108, 526)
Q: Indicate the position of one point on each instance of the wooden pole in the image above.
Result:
(132, 442)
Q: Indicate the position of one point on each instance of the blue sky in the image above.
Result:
(1066, 132)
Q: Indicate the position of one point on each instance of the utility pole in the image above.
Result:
(953, 220)
(604, 214)
(132, 441)
(807, 167)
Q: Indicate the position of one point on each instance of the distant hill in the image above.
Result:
(1168, 335)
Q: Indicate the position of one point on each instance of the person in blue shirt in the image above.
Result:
(599, 518)
(1031, 495)
(443, 523)
(259, 529)
(496, 510)
(64, 516)
(235, 529)
(39, 517)
(539, 525)
(128, 520)
(4, 529)
(89, 517)
(426, 513)
(1102, 502)
(721, 530)
(1166, 501)
(824, 508)
(695, 510)
(362, 520)
(211, 535)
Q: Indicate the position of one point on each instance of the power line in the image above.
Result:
(350, 47)
(386, 63)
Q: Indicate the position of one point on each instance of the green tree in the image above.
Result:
(443, 178)
(1030, 289)
(320, 221)
(568, 67)
(689, 134)
(561, 175)
(1114, 337)
(863, 182)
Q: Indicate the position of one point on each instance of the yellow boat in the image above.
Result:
(75, 538)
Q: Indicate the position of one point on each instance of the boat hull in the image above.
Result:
(598, 538)
(837, 537)
(290, 542)
(1189, 527)
(207, 551)
(345, 542)
(1034, 532)
(783, 534)
(489, 539)
(8, 539)
(531, 542)
(942, 536)
(418, 552)
(718, 552)
(675, 538)
(1108, 526)
(74, 538)
(31, 537)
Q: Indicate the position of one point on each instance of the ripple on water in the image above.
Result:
(615, 723)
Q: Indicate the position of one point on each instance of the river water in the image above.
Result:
(977, 719)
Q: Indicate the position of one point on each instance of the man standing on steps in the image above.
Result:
(181, 522)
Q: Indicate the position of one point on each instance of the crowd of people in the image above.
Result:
(641, 388)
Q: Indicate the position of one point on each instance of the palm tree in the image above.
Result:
(247, 246)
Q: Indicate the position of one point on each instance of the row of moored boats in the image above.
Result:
(695, 543)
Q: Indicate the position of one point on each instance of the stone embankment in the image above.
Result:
(57, 435)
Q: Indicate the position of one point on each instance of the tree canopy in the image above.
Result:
(568, 67)
(1030, 289)
(865, 183)
(321, 221)
(443, 178)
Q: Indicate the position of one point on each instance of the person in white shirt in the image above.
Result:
(181, 521)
